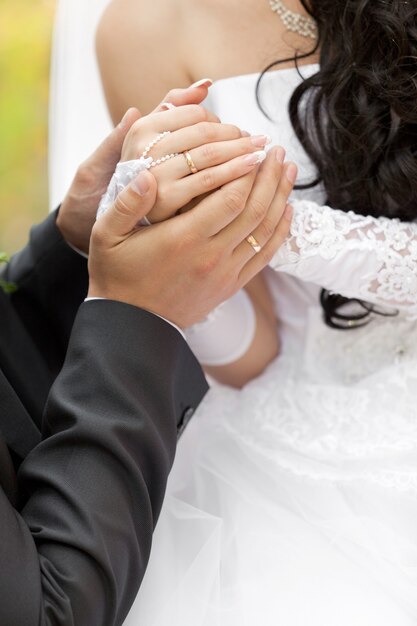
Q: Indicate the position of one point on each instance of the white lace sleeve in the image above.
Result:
(357, 256)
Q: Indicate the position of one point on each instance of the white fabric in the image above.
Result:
(226, 334)
(125, 172)
(79, 119)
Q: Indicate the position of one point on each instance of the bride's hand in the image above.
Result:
(78, 210)
(220, 152)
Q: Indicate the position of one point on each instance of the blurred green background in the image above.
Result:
(25, 36)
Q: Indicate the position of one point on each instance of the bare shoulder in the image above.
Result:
(138, 53)
(147, 47)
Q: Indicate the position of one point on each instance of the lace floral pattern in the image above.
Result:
(343, 408)
(334, 432)
(387, 275)
(125, 172)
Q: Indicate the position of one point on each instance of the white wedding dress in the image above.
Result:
(294, 501)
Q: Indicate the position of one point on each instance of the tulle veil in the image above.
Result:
(78, 117)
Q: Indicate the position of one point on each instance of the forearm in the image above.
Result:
(357, 256)
(263, 349)
(51, 281)
(240, 339)
(95, 485)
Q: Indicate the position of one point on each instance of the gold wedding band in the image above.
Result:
(254, 243)
(190, 162)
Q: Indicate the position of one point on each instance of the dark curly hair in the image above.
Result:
(357, 116)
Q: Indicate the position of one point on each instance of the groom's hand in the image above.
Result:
(77, 214)
(183, 268)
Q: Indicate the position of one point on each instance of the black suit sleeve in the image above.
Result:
(52, 282)
(77, 552)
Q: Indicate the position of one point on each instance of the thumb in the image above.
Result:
(109, 151)
(130, 206)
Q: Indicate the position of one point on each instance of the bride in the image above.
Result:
(293, 501)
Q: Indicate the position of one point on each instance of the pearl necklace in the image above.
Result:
(301, 24)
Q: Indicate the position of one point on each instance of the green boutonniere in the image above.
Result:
(7, 287)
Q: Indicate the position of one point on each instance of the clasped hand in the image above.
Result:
(184, 267)
(220, 152)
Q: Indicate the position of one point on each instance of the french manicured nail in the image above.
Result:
(255, 158)
(292, 173)
(244, 133)
(280, 154)
(141, 184)
(204, 82)
(168, 106)
(260, 140)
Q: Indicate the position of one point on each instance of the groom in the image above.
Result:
(84, 464)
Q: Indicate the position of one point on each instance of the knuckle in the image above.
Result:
(207, 131)
(163, 195)
(267, 228)
(137, 128)
(136, 137)
(234, 201)
(99, 237)
(204, 113)
(142, 129)
(257, 209)
(208, 180)
(132, 146)
(210, 152)
(172, 95)
(198, 112)
(235, 132)
(208, 264)
(121, 204)
(85, 175)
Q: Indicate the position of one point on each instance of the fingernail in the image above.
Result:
(280, 154)
(204, 82)
(292, 173)
(255, 158)
(141, 184)
(260, 140)
(168, 105)
(244, 133)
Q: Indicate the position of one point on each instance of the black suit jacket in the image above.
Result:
(94, 451)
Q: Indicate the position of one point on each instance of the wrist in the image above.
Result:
(103, 292)
(92, 296)
(73, 239)
(75, 227)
